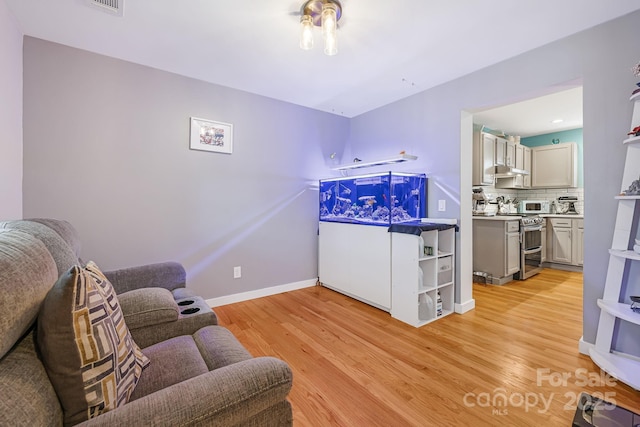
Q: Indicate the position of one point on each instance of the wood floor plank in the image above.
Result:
(513, 360)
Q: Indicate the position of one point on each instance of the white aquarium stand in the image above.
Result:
(613, 309)
(354, 259)
(379, 266)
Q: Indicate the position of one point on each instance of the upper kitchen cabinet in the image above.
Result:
(510, 154)
(554, 166)
(527, 165)
(501, 151)
(515, 159)
(484, 148)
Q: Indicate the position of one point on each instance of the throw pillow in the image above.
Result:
(86, 347)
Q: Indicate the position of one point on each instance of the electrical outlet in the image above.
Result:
(237, 272)
(442, 205)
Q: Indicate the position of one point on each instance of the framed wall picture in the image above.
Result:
(208, 135)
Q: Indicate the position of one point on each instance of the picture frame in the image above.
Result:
(209, 135)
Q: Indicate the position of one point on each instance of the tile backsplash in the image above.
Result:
(535, 194)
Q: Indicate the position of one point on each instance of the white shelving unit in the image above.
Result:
(613, 305)
(421, 268)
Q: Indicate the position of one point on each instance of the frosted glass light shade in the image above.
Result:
(329, 28)
(330, 45)
(329, 19)
(306, 32)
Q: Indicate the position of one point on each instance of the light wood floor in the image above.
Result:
(355, 365)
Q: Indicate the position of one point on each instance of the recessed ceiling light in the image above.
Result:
(556, 121)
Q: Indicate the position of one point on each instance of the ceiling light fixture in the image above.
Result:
(556, 121)
(320, 13)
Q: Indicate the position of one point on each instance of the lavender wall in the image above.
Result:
(10, 116)
(428, 124)
(106, 147)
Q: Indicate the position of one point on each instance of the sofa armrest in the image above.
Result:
(168, 275)
(148, 307)
(225, 396)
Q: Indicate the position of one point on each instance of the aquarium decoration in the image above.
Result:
(375, 199)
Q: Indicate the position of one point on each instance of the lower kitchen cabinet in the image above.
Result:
(496, 248)
(513, 252)
(567, 241)
(543, 242)
(561, 246)
(578, 241)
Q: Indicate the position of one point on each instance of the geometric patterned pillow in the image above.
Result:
(86, 347)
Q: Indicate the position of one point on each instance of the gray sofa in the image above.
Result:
(198, 374)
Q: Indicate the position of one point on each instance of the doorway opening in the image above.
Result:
(551, 118)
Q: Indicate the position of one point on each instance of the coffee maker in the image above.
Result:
(568, 204)
(479, 201)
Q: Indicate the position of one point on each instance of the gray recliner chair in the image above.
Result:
(198, 374)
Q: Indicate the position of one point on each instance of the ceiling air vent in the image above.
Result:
(115, 7)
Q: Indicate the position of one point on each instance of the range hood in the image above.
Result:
(509, 172)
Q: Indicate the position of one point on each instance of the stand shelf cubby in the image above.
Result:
(423, 266)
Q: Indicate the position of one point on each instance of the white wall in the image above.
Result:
(428, 125)
(10, 116)
(106, 146)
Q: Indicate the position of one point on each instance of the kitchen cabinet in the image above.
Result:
(423, 274)
(567, 241)
(510, 154)
(561, 246)
(527, 166)
(519, 153)
(543, 242)
(484, 147)
(578, 242)
(496, 248)
(513, 252)
(554, 166)
(515, 159)
(501, 151)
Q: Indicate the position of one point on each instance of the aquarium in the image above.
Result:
(375, 199)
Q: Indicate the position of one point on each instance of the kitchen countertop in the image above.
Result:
(513, 217)
(498, 217)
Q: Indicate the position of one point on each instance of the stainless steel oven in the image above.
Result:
(530, 246)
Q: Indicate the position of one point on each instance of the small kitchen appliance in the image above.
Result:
(533, 207)
(479, 201)
(569, 204)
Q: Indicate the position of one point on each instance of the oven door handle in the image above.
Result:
(532, 228)
(532, 251)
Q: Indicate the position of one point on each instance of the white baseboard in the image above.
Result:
(584, 347)
(465, 306)
(259, 293)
